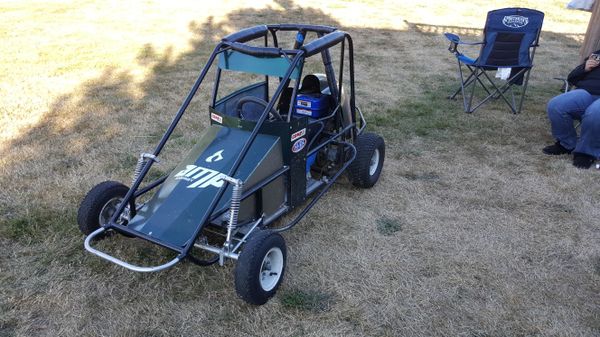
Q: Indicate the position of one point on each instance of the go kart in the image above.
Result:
(263, 156)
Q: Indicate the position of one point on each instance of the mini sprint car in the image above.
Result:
(261, 157)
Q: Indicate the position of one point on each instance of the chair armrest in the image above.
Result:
(456, 39)
(566, 85)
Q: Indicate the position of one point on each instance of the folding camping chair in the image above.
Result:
(511, 36)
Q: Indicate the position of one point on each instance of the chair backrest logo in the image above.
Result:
(515, 21)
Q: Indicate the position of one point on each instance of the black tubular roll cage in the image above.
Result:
(327, 38)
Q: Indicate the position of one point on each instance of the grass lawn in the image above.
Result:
(471, 230)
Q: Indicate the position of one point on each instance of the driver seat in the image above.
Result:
(251, 111)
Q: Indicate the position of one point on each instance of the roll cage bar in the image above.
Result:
(327, 37)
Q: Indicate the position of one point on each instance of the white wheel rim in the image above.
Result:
(271, 269)
(374, 162)
(109, 210)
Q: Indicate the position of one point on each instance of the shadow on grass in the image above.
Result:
(101, 128)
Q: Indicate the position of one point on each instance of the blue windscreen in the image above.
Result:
(270, 66)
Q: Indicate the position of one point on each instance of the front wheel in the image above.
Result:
(366, 167)
(99, 205)
(260, 267)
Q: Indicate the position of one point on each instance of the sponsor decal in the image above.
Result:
(215, 157)
(304, 112)
(200, 177)
(515, 21)
(298, 134)
(216, 118)
(306, 104)
(299, 145)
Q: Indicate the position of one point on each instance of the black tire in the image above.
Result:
(249, 279)
(101, 195)
(369, 146)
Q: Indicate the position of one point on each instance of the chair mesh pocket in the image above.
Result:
(505, 50)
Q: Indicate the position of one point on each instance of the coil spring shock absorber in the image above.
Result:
(126, 215)
(234, 209)
(140, 164)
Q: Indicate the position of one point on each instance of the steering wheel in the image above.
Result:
(251, 99)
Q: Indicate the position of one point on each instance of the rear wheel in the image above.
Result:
(370, 154)
(99, 205)
(260, 267)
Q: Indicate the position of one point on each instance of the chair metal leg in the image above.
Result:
(525, 90)
(493, 92)
(500, 91)
(466, 83)
(468, 107)
(490, 95)
(481, 82)
(462, 83)
(512, 96)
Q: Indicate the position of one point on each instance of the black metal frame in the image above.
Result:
(327, 38)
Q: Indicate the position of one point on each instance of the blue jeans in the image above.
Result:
(579, 105)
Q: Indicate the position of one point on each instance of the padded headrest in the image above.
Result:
(311, 85)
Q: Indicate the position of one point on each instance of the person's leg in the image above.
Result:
(562, 110)
(588, 146)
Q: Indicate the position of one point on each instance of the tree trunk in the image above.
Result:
(591, 42)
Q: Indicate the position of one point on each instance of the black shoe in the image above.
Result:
(556, 149)
(582, 160)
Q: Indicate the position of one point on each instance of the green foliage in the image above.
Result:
(34, 225)
(388, 226)
(429, 114)
(311, 300)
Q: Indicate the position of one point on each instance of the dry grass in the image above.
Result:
(470, 232)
